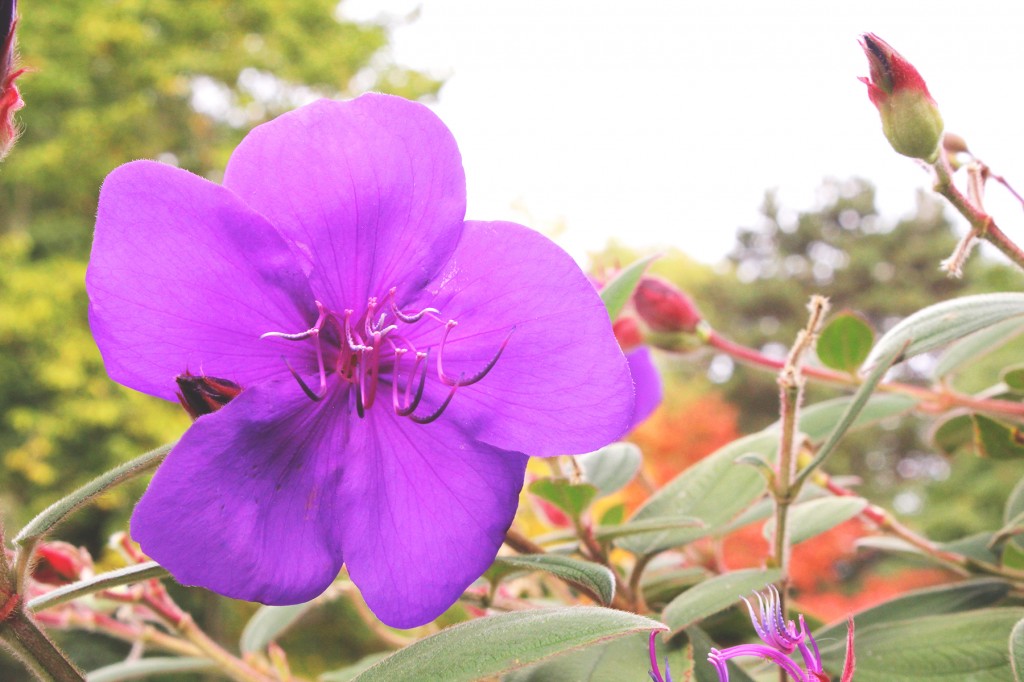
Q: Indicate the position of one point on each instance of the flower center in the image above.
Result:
(375, 348)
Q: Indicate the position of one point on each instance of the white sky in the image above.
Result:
(662, 122)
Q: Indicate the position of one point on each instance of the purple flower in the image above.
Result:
(395, 361)
(647, 383)
(781, 638)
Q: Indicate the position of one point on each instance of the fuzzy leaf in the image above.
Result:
(945, 322)
(977, 345)
(268, 623)
(947, 647)
(494, 645)
(714, 595)
(611, 467)
(595, 577)
(626, 658)
(815, 517)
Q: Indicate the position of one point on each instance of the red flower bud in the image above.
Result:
(627, 333)
(910, 118)
(663, 307)
(201, 395)
(59, 563)
(10, 98)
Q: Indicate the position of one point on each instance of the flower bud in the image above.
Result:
(910, 118)
(59, 563)
(201, 395)
(10, 98)
(627, 333)
(663, 307)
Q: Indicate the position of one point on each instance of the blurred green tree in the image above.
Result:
(182, 83)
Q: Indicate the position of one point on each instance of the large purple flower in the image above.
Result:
(396, 362)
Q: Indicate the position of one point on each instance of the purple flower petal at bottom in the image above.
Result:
(426, 509)
(244, 504)
(561, 385)
(646, 383)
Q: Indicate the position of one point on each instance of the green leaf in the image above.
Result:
(954, 434)
(716, 489)
(981, 435)
(815, 517)
(997, 440)
(940, 648)
(662, 586)
(611, 467)
(613, 516)
(594, 577)
(1015, 502)
(626, 658)
(674, 523)
(714, 595)
(1013, 377)
(148, 667)
(977, 345)
(942, 323)
(59, 510)
(931, 601)
(1017, 651)
(572, 498)
(616, 293)
(845, 342)
(269, 623)
(349, 672)
(98, 583)
(492, 646)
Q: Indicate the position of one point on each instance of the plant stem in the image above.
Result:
(982, 224)
(937, 401)
(37, 651)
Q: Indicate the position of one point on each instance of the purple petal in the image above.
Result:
(371, 191)
(244, 504)
(561, 385)
(646, 383)
(425, 511)
(183, 276)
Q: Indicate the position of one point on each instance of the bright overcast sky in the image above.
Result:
(662, 122)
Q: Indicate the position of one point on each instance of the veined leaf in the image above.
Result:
(595, 577)
(492, 646)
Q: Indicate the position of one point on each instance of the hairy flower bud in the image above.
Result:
(910, 118)
(663, 307)
(10, 98)
(201, 395)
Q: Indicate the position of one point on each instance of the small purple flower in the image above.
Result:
(781, 638)
(394, 361)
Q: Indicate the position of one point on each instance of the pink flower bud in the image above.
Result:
(59, 563)
(627, 333)
(10, 98)
(663, 307)
(910, 118)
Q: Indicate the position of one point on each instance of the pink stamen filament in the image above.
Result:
(461, 381)
(359, 359)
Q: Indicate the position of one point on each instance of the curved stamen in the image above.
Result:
(408, 318)
(438, 411)
(461, 381)
(315, 397)
(353, 346)
(415, 402)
